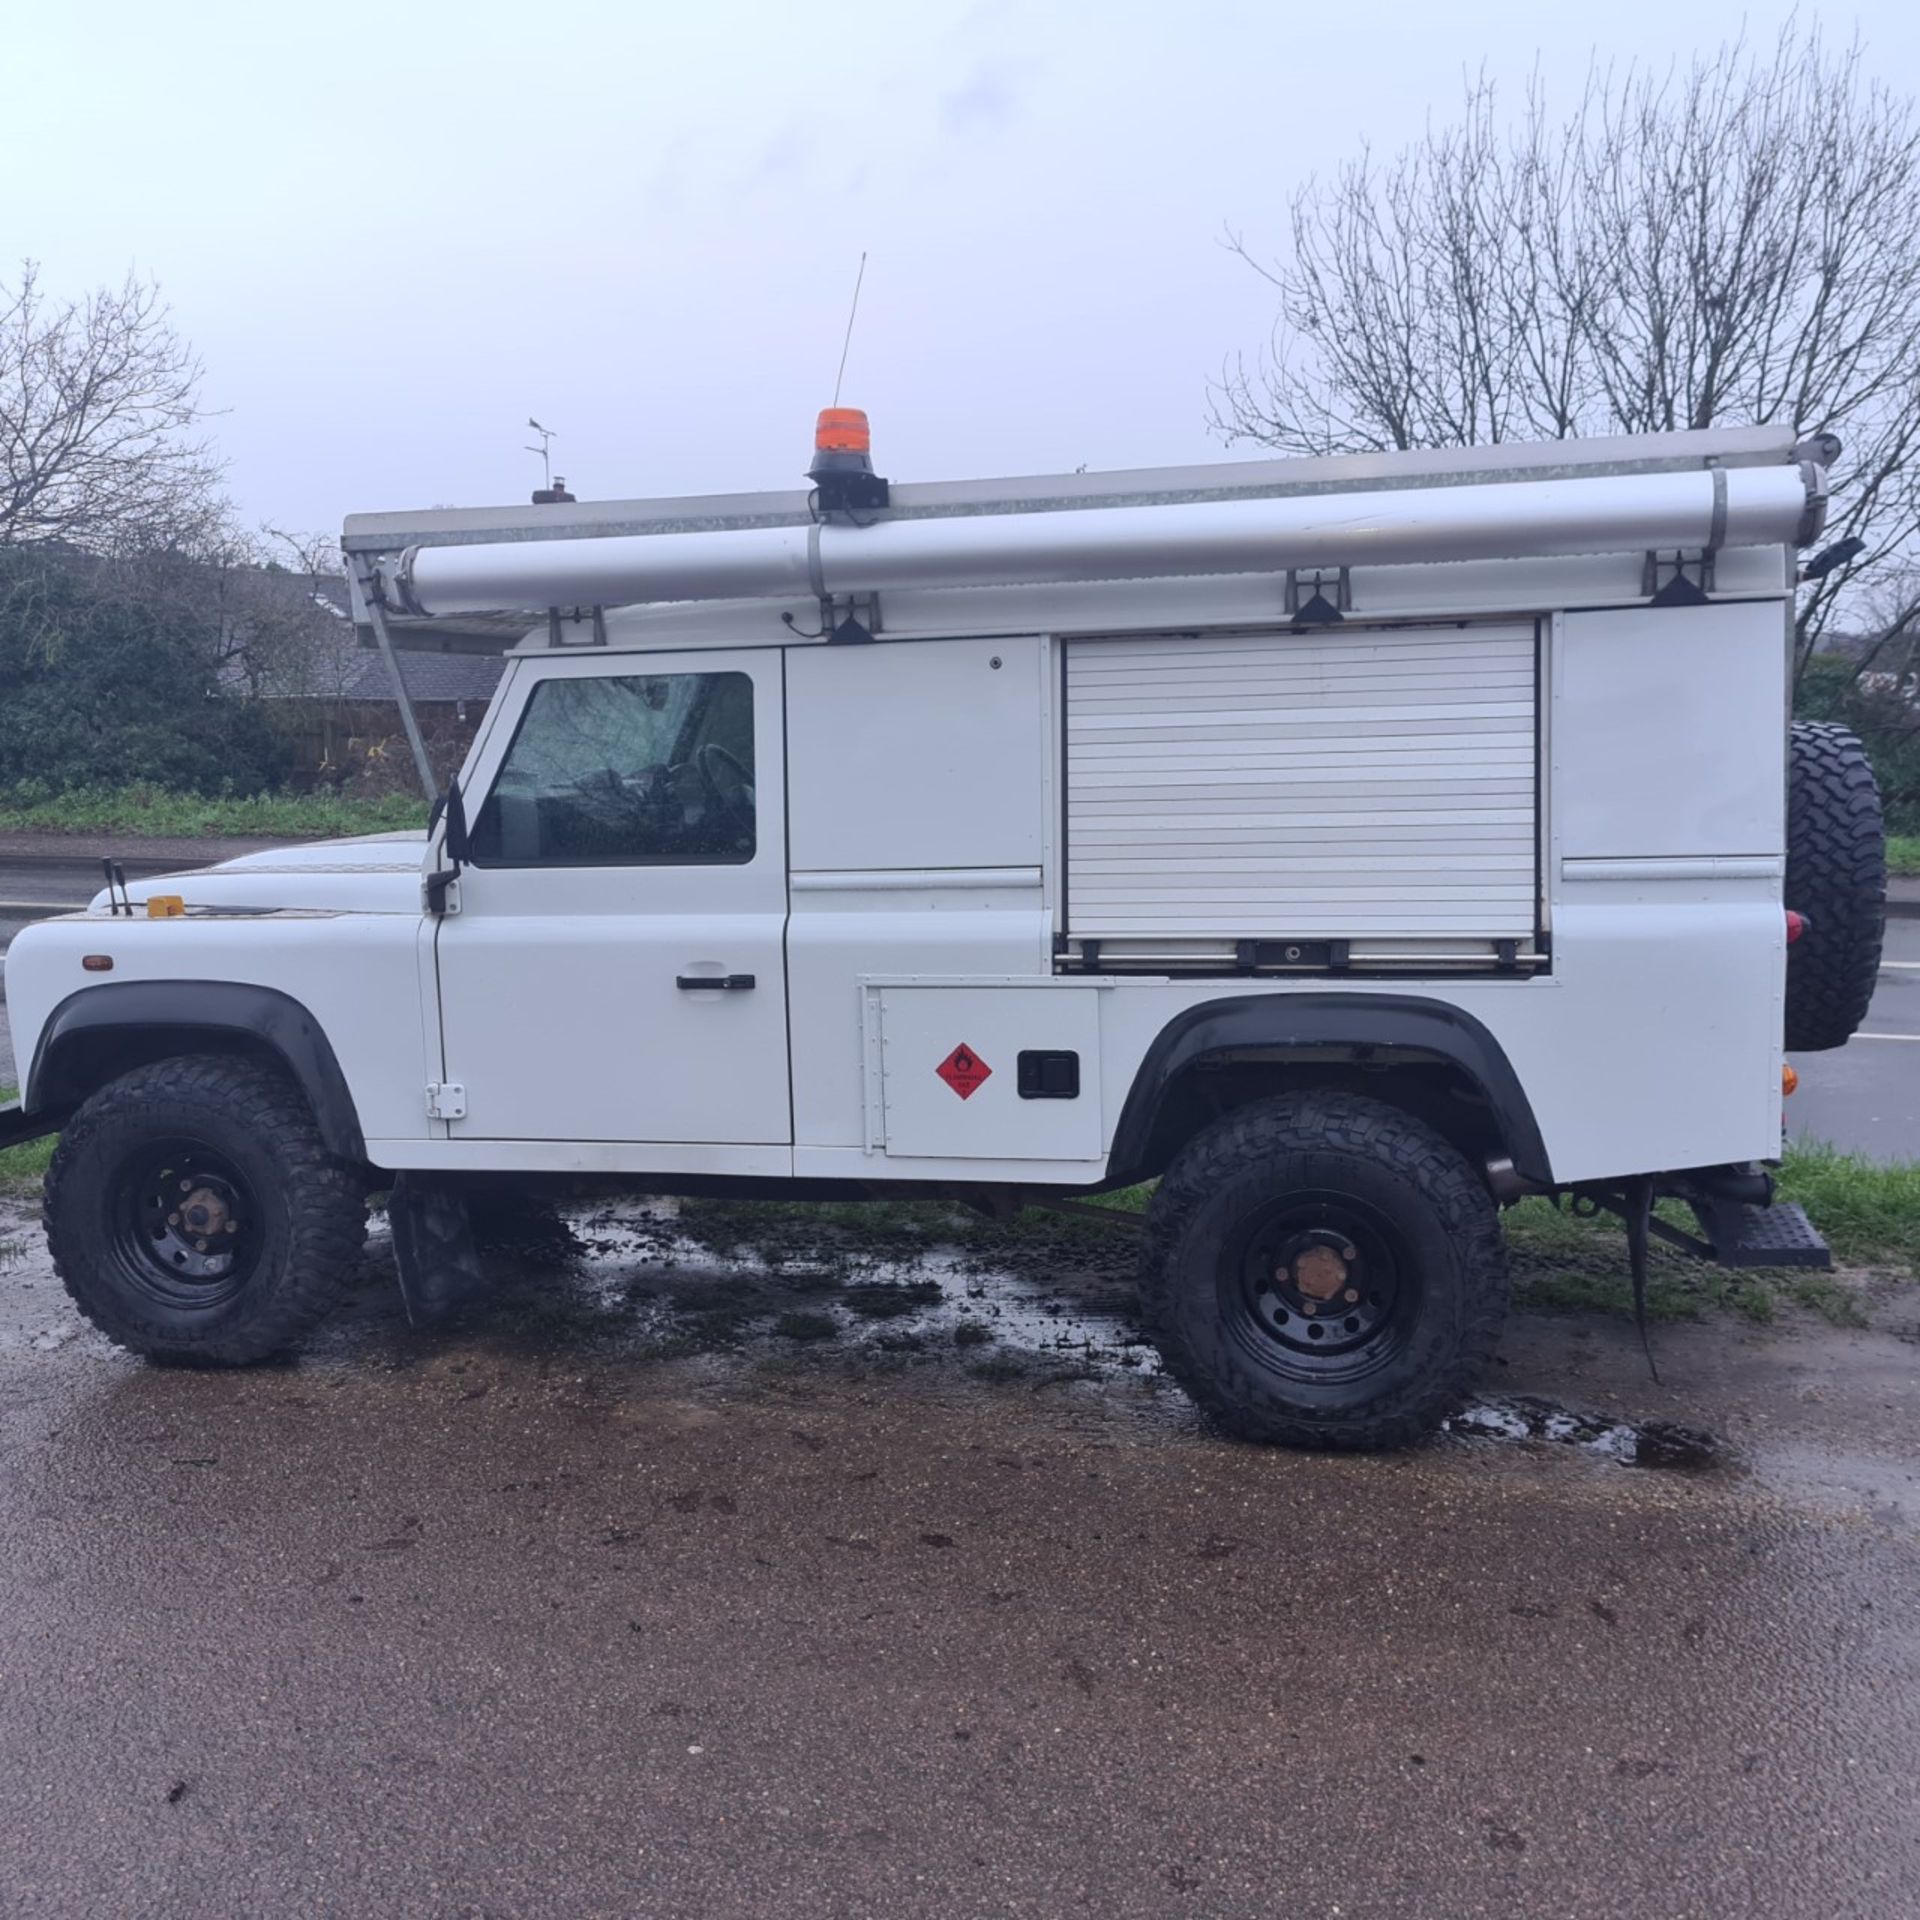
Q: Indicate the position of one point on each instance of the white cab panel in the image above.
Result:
(921, 826)
(918, 754)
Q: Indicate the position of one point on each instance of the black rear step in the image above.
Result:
(1741, 1225)
(1736, 1233)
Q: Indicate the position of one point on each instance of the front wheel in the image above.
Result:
(195, 1215)
(1324, 1270)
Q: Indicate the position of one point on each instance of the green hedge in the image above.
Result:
(113, 671)
(137, 809)
(1883, 721)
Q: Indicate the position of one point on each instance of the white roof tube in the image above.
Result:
(1722, 507)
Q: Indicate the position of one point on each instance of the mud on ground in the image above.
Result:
(931, 1296)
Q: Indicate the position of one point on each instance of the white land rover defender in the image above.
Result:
(1350, 846)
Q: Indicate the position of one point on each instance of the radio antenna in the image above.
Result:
(544, 449)
(852, 312)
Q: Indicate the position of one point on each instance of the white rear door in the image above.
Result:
(616, 971)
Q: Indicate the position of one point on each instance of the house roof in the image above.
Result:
(428, 676)
(328, 661)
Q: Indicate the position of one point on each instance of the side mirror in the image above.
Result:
(451, 810)
(454, 809)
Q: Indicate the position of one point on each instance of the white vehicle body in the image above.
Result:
(1501, 795)
(1349, 846)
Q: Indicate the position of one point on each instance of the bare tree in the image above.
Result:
(99, 419)
(1736, 243)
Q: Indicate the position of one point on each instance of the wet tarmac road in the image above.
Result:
(536, 1620)
(1865, 1096)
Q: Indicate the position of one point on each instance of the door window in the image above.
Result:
(626, 770)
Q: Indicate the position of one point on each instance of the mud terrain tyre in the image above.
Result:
(196, 1217)
(435, 1246)
(1837, 877)
(1324, 1270)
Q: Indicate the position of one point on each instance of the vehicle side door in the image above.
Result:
(616, 969)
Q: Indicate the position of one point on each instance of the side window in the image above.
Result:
(633, 770)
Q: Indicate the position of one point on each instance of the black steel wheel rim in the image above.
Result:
(186, 1226)
(1320, 1286)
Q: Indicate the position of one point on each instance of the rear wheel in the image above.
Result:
(1837, 877)
(195, 1215)
(1324, 1270)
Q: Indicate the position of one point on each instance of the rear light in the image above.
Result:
(1796, 925)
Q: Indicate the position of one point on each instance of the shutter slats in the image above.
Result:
(1324, 785)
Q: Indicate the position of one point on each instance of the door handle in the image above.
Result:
(715, 983)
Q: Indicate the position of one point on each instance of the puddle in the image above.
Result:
(671, 1276)
(661, 1278)
(883, 1285)
(1649, 1443)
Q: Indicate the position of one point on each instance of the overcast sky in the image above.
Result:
(395, 231)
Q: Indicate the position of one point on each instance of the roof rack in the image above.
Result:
(377, 533)
(1171, 521)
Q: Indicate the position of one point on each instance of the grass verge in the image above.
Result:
(1869, 1213)
(154, 812)
(1903, 855)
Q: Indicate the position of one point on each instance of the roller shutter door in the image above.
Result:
(1337, 784)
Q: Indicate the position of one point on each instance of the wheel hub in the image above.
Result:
(186, 1238)
(1323, 1291)
(205, 1213)
(1320, 1273)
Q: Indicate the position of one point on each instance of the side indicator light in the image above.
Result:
(98, 962)
(165, 906)
(1788, 1080)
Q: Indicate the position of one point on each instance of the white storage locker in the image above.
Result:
(1339, 784)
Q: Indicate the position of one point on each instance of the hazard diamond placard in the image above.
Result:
(964, 1071)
